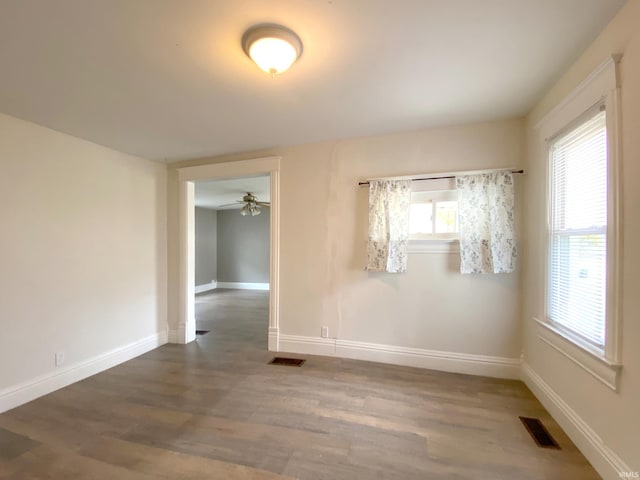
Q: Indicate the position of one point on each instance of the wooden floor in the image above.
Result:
(214, 409)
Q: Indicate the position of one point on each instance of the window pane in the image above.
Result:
(446, 217)
(577, 242)
(578, 278)
(420, 218)
(580, 172)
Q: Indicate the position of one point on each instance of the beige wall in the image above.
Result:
(613, 416)
(323, 242)
(83, 247)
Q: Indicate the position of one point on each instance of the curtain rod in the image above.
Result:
(440, 176)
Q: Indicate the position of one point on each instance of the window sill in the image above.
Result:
(434, 246)
(585, 356)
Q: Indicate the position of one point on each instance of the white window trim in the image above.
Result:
(434, 242)
(582, 354)
(601, 85)
(434, 245)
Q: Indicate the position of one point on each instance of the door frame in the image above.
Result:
(186, 178)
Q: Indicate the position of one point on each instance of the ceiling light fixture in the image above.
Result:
(273, 47)
(250, 209)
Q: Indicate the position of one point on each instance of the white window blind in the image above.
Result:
(578, 229)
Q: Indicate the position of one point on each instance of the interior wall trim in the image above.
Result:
(24, 392)
(244, 285)
(307, 345)
(205, 287)
(274, 339)
(174, 336)
(485, 365)
(607, 463)
(186, 322)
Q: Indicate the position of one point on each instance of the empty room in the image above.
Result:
(319, 239)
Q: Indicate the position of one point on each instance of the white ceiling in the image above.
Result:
(168, 80)
(215, 193)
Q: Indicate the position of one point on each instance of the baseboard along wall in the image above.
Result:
(22, 393)
(499, 367)
(205, 287)
(244, 285)
(173, 336)
(233, 285)
(606, 462)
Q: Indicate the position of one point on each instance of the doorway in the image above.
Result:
(232, 269)
(187, 177)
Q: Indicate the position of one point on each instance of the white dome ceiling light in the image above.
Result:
(273, 47)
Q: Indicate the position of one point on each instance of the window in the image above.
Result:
(434, 215)
(580, 315)
(577, 255)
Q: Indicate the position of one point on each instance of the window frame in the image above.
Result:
(600, 87)
(596, 230)
(434, 197)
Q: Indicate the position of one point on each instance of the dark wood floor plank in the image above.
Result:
(163, 463)
(13, 445)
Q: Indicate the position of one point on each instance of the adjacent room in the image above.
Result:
(231, 257)
(305, 239)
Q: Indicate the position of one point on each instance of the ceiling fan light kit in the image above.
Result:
(251, 205)
(272, 47)
(248, 209)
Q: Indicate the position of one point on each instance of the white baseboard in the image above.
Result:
(22, 393)
(205, 287)
(244, 285)
(235, 285)
(307, 345)
(174, 336)
(603, 459)
(484, 365)
(274, 340)
(181, 335)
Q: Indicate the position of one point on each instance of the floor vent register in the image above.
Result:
(289, 362)
(539, 433)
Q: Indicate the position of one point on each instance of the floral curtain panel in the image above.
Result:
(486, 219)
(389, 206)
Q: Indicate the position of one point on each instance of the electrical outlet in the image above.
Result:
(324, 332)
(59, 358)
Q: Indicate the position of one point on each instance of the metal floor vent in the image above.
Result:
(290, 362)
(202, 332)
(539, 433)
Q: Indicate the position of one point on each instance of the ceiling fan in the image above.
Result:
(251, 205)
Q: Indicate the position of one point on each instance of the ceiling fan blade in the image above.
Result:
(264, 204)
(230, 204)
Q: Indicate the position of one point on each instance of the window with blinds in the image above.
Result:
(577, 273)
